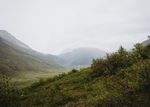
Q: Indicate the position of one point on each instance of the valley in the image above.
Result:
(26, 66)
(74, 53)
(121, 79)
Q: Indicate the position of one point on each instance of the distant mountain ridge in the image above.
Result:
(146, 42)
(81, 56)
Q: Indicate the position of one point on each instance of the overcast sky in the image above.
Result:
(51, 26)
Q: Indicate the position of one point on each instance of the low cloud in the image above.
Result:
(51, 26)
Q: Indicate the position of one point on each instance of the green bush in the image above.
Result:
(9, 95)
(111, 64)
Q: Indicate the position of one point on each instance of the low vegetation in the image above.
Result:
(121, 79)
(14, 60)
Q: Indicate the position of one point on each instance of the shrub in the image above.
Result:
(9, 95)
(111, 64)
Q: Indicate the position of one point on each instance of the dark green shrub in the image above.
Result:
(9, 95)
(111, 64)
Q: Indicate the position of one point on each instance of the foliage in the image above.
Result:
(9, 95)
(121, 79)
(111, 64)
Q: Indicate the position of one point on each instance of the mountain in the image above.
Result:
(16, 56)
(12, 41)
(147, 42)
(81, 56)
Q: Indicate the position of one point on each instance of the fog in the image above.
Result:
(52, 26)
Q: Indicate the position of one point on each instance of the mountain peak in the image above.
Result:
(80, 49)
(5, 34)
(3, 31)
(146, 42)
(11, 40)
(82, 56)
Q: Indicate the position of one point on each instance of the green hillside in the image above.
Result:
(12, 60)
(122, 79)
(23, 64)
(17, 57)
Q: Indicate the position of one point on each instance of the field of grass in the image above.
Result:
(25, 78)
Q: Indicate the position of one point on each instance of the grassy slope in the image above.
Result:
(76, 89)
(71, 86)
(25, 79)
(24, 68)
(12, 60)
(129, 87)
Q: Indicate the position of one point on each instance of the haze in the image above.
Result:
(51, 26)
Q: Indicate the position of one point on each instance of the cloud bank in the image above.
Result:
(51, 26)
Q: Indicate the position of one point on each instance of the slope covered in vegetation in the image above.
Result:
(122, 79)
(16, 57)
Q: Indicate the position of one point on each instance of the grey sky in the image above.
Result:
(51, 26)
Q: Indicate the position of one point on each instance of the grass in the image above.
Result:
(25, 78)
